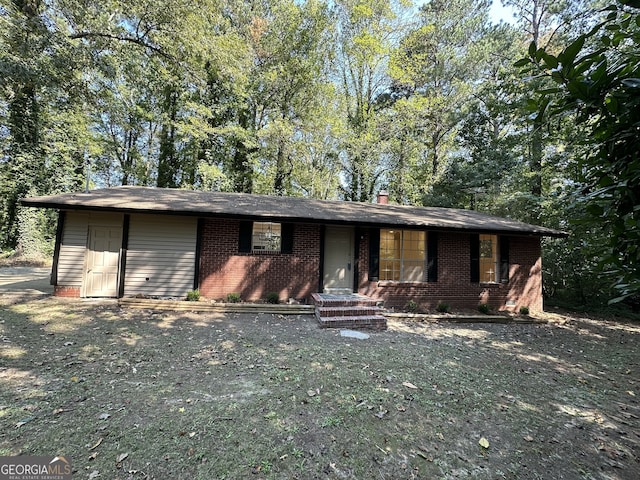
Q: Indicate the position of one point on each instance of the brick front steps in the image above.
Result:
(348, 311)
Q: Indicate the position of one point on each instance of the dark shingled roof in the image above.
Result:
(283, 209)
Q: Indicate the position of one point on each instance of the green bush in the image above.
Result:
(443, 307)
(484, 308)
(233, 298)
(193, 295)
(412, 306)
(273, 297)
(524, 310)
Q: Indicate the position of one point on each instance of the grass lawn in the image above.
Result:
(130, 394)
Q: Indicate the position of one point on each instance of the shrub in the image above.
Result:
(484, 308)
(524, 310)
(443, 307)
(411, 306)
(193, 295)
(273, 297)
(233, 298)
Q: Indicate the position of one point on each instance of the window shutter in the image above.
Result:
(432, 257)
(474, 240)
(504, 259)
(374, 254)
(244, 242)
(286, 239)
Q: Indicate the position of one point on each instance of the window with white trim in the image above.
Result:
(402, 255)
(266, 237)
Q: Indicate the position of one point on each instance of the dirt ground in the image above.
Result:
(130, 394)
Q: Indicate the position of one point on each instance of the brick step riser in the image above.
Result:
(346, 311)
(373, 322)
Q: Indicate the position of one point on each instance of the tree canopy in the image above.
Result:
(534, 119)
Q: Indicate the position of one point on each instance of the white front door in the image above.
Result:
(338, 260)
(103, 258)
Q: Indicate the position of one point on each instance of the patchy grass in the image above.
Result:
(132, 394)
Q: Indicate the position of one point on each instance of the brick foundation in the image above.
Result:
(65, 291)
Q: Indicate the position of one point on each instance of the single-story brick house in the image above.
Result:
(127, 241)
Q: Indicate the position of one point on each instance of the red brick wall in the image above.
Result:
(454, 287)
(224, 270)
(63, 291)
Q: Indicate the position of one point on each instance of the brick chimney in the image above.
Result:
(383, 197)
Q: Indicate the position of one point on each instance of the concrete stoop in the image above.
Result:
(348, 311)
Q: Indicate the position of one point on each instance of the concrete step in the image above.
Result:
(352, 300)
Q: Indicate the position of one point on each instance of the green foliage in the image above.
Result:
(443, 307)
(193, 295)
(524, 310)
(273, 297)
(412, 306)
(335, 100)
(234, 298)
(596, 77)
(484, 308)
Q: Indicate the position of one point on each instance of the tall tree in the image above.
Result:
(435, 69)
(599, 83)
(366, 31)
(42, 114)
(543, 22)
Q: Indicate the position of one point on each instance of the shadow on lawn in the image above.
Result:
(215, 396)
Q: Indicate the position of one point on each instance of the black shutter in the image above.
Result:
(244, 241)
(474, 240)
(286, 239)
(374, 254)
(53, 279)
(432, 257)
(196, 271)
(124, 248)
(504, 259)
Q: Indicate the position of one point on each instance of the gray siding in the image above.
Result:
(161, 255)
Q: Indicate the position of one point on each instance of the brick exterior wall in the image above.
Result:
(63, 291)
(454, 287)
(224, 270)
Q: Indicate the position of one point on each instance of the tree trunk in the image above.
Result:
(168, 163)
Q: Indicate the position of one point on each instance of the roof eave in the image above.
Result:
(290, 219)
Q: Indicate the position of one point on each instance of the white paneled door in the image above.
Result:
(103, 258)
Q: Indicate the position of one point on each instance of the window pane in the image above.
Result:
(413, 271)
(488, 258)
(402, 255)
(413, 256)
(390, 270)
(266, 237)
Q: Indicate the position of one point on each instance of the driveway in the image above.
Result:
(25, 280)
